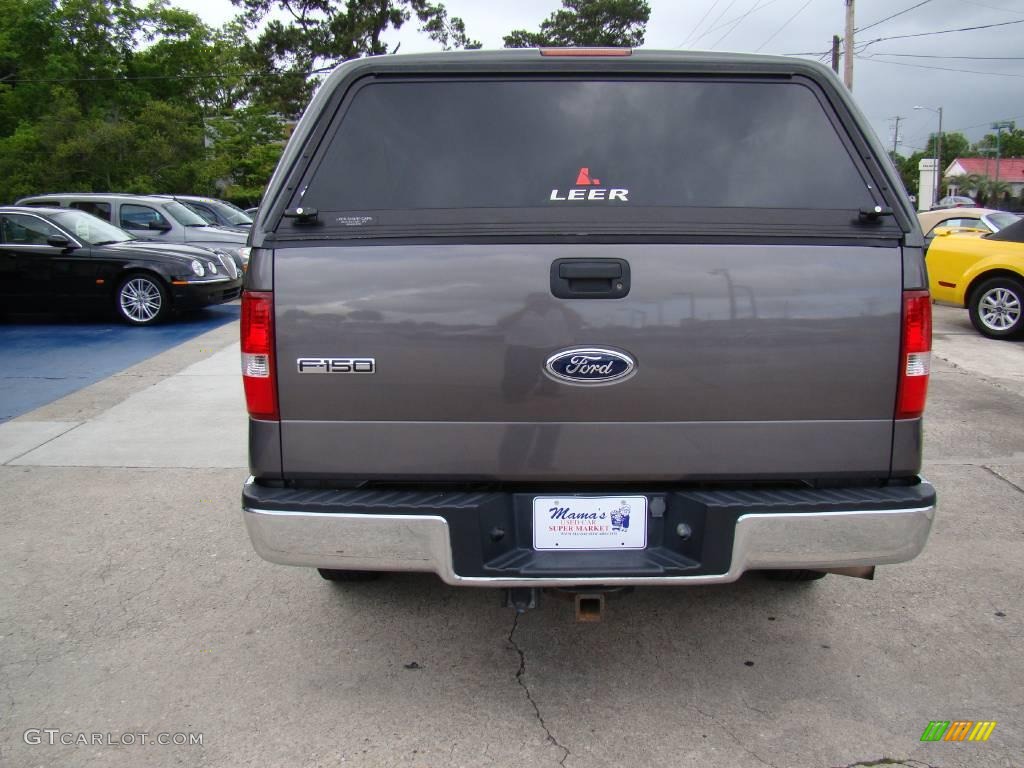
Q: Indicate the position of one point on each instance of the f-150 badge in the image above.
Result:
(336, 365)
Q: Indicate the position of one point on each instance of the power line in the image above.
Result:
(913, 142)
(711, 25)
(942, 32)
(941, 69)
(989, 122)
(134, 78)
(993, 7)
(784, 25)
(123, 78)
(919, 34)
(736, 18)
(758, 4)
(732, 20)
(697, 26)
(887, 18)
(935, 56)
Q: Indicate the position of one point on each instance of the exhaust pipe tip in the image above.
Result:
(521, 599)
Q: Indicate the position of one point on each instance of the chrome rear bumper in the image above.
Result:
(423, 542)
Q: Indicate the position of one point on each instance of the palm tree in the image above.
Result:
(995, 192)
(965, 184)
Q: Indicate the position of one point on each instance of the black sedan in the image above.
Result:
(61, 258)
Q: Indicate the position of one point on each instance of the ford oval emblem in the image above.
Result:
(590, 365)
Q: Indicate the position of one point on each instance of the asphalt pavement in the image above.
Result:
(133, 604)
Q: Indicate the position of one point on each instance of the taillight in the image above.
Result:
(259, 374)
(915, 355)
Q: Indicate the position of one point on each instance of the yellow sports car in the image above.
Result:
(981, 219)
(984, 273)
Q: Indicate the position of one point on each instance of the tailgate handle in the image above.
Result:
(590, 278)
(590, 270)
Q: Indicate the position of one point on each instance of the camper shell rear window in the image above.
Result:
(601, 155)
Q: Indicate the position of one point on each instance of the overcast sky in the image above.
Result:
(884, 86)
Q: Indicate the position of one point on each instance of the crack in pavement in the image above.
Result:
(529, 696)
(1006, 480)
(992, 380)
(907, 762)
(731, 735)
(37, 447)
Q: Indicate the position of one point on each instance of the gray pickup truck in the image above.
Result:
(585, 319)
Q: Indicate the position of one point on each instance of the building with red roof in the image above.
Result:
(1011, 170)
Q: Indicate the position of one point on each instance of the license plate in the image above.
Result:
(605, 522)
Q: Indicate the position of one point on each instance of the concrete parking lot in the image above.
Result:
(133, 603)
(42, 358)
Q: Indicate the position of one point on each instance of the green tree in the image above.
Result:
(316, 34)
(619, 23)
(1011, 143)
(909, 173)
(140, 96)
(965, 184)
(993, 193)
(245, 148)
(190, 62)
(954, 145)
(106, 95)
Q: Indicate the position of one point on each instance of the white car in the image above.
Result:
(955, 201)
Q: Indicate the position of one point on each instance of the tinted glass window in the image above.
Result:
(571, 143)
(185, 216)
(90, 229)
(140, 216)
(101, 210)
(229, 213)
(208, 215)
(1011, 233)
(1002, 220)
(25, 230)
(962, 222)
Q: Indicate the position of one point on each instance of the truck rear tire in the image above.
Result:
(333, 575)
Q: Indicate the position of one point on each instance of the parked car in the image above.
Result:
(220, 213)
(985, 273)
(618, 357)
(955, 201)
(56, 258)
(151, 217)
(983, 220)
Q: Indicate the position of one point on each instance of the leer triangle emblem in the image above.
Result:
(584, 180)
(594, 190)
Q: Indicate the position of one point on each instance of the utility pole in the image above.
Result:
(848, 45)
(835, 53)
(986, 151)
(896, 134)
(1007, 125)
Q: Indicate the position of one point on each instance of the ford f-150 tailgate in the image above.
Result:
(606, 277)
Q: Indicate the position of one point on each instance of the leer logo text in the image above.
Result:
(593, 190)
